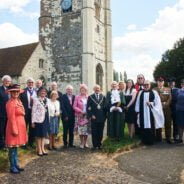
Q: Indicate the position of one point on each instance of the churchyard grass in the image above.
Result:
(125, 144)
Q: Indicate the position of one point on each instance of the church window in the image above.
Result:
(98, 29)
(97, 10)
(41, 62)
(99, 75)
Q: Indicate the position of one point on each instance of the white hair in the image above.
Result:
(54, 83)
(6, 77)
(69, 87)
(30, 79)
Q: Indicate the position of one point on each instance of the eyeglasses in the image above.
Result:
(140, 78)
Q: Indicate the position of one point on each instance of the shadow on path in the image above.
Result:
(158, 164)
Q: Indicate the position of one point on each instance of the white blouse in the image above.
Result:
(54, 108)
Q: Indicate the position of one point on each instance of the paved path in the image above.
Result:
(159, 164)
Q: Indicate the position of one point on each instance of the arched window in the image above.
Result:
(99, 75)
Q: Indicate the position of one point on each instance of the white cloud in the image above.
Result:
(19, 7)
(13, 5)
(140, 51)
(10, 35)
(131, 27)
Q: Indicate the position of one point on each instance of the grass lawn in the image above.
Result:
(125, 144)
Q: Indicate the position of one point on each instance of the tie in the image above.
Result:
(31, 99)
(97, 96)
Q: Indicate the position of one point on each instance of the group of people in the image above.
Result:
(38, 111)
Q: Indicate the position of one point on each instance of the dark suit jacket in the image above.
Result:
(92, 109)
(3, 99)
(174, 93)
(67, 109)
(24, 99)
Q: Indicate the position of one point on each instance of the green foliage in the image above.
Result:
(172, 63)
(115, 76)
(125, 144)
(3, 160)
(125, 76)
(121, 76)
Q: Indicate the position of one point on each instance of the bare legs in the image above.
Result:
(40, 145)
(52, 141)
(131, 130)
(83, 139)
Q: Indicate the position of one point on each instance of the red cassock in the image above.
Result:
(15, 124)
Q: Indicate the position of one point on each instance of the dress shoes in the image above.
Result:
(169, 141)
(45, 153)
(86, 146)
(40, 154)
(72, 146)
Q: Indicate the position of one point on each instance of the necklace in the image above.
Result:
(98, 104)
(44, 103)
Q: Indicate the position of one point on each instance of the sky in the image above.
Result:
(142, 30)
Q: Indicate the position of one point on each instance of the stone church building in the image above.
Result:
(24, 61)
(76, 35)
(76, 39)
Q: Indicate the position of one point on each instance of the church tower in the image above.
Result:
(76, 35)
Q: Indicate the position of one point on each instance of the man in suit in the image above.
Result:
(174, 93)
(68, 116)
(38, 84)
(6, 81)
(96, 112)
(27, 100)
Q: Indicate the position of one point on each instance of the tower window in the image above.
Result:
(98, 29)
(41, 61)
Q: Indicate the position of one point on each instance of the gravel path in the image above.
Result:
(72, 167)
(159, 164)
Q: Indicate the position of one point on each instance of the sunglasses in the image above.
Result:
(140, 78)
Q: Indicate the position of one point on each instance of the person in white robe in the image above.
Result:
(149, 113)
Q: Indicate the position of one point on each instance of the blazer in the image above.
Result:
(3, 100)
(24, 99)
(38, 111)
(78, 105)
(67, 109)
(93, 110)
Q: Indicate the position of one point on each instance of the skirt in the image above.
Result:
(54, 125)
(41, 129)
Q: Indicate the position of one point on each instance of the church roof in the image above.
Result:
(14, 59)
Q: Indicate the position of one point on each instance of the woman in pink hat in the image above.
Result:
(16, 127)
(79, 106)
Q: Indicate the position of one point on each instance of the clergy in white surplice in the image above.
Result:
(149, 113)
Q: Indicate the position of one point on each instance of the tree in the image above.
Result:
(115, 76)
(121, 76)
(125, 76)
(172, 63)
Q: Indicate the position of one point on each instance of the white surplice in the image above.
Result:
(156, 108)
